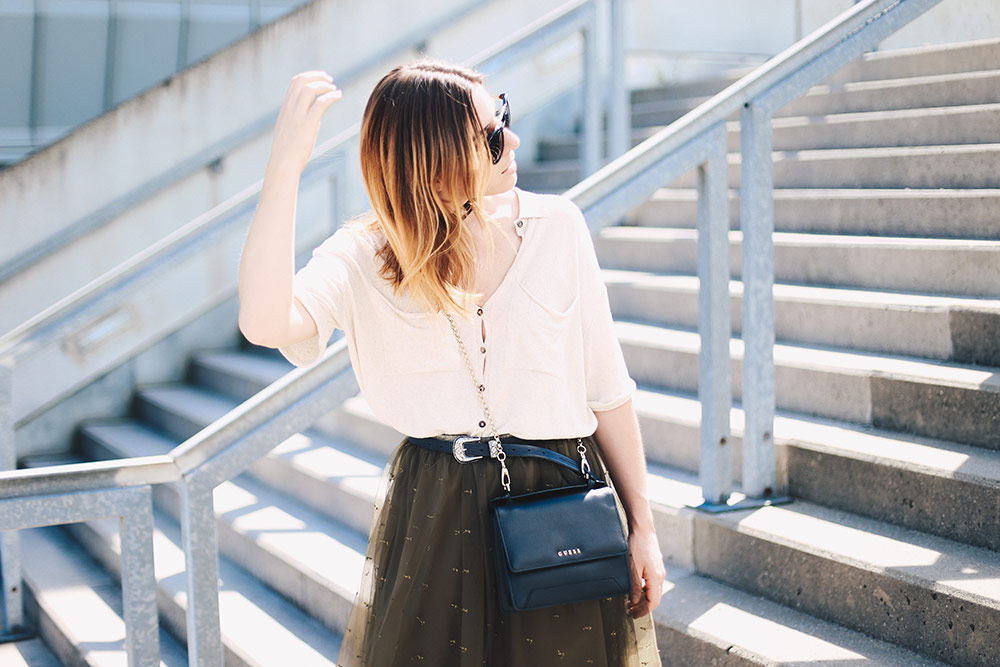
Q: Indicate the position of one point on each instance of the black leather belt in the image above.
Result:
(466, 448)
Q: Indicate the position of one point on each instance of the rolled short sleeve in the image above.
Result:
(323, 287)
(609, 384)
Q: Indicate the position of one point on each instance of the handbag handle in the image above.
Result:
(495, 444)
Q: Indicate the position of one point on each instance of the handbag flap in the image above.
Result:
(559, 526)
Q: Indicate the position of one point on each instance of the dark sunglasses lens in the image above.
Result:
(495, 139)
(495, 142)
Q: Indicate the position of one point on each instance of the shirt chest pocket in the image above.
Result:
(417, 343)
(545, 334)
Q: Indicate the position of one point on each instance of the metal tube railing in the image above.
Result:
(230, 445)
(695, 141)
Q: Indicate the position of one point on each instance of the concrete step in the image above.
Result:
(658, 113)
(27, 653)
(704, 622)
(705, 87)
(918, 91)
(940, 213)
(932, 59)
(910, 324)
(259, 627)
(931, 266)
(934, 486)
(934, 126)
(938, 126)
(960, 166)
(179, 411)
(307, 557)
(934, 596)
(921, 90)
(234, 374)
(933, 399)
(77, 608)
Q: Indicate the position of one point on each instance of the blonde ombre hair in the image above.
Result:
(423, 155)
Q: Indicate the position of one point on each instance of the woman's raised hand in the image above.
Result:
(309, 95)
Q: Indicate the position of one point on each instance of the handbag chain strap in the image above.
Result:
(496, 446)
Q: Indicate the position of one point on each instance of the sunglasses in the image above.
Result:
(494, 139)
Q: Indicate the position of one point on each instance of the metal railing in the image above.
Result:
(698, 141)
(74, 334)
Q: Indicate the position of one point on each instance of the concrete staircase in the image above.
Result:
(887, 385)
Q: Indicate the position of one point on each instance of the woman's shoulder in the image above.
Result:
(547, 206)
(556, 214)
(356, 240)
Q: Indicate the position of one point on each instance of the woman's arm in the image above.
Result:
(618, 436)
(269, 315)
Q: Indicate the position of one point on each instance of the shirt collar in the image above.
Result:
(531, 205)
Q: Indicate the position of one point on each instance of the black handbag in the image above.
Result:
(555, 546)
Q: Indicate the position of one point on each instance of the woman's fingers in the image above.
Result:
(648, 574)
(308, 97)
(309, 91)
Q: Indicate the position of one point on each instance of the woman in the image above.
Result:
(451, 239)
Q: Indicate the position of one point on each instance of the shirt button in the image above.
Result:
(479, 312)
(482, 424)
(482, 388)
(483, 350)
(520, 223)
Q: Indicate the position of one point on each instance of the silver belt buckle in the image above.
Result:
(458, 449)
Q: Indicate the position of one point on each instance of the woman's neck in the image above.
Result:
(502, 207)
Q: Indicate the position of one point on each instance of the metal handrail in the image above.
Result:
(698, 140)
(229, 445)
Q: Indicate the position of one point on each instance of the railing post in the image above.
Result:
(142, 638)
(757, 224)
(619, 122)
(201, 556)
(590, 113)
(714, 381)
(10, 551)
(760, 483)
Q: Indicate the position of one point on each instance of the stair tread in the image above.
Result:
(900, 82)
(929, 561)
(838, 117)
(203, 405)
(257, 623)
(805, 293)
(690, 194)
(27, 653)
(832, 119)
(844, 361)
(810, 154)
(262, 368)
(926, 455)
(965, 49)
(767, 632)
(82, 600)
(659, 234)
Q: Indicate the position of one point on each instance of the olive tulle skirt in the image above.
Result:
(428, 593)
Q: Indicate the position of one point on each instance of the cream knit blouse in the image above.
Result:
(550, 357)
